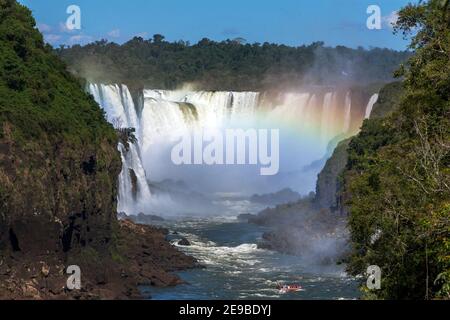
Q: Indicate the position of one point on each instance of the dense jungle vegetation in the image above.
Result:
(397, 180)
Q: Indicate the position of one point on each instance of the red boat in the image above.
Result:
(289, 288)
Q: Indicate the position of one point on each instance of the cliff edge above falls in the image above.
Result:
(58, 182)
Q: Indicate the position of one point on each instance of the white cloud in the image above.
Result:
(52, 38)
(63, 28)
(80, 39)
(114, 33)
(391, 19)
(44, 28)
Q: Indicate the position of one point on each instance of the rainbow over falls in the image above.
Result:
(311, 122)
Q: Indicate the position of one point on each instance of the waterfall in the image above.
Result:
(294, 107)
(244, 104)
(370, 105)
(306, 120)
(327, 116)
(310, 111)
(169, 114)
(160, 119)
(216, 108)
(117, 102)
(125, 201)
(348, 112)
(120, 110)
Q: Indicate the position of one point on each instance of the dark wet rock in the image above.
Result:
(122, 216)
(184, 242)
(140, 256)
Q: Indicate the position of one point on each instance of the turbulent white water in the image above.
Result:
(228, 248)
(307, 121)
(370, 105)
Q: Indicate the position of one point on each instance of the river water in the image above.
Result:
(236, 269)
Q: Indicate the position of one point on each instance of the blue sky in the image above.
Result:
(290, 22)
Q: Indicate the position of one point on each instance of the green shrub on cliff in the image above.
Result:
(397, 181)
(37, 95)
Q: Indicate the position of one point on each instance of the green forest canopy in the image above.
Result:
(228, 65)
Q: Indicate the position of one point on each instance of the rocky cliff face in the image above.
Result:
(55, 196)
(328, 179)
